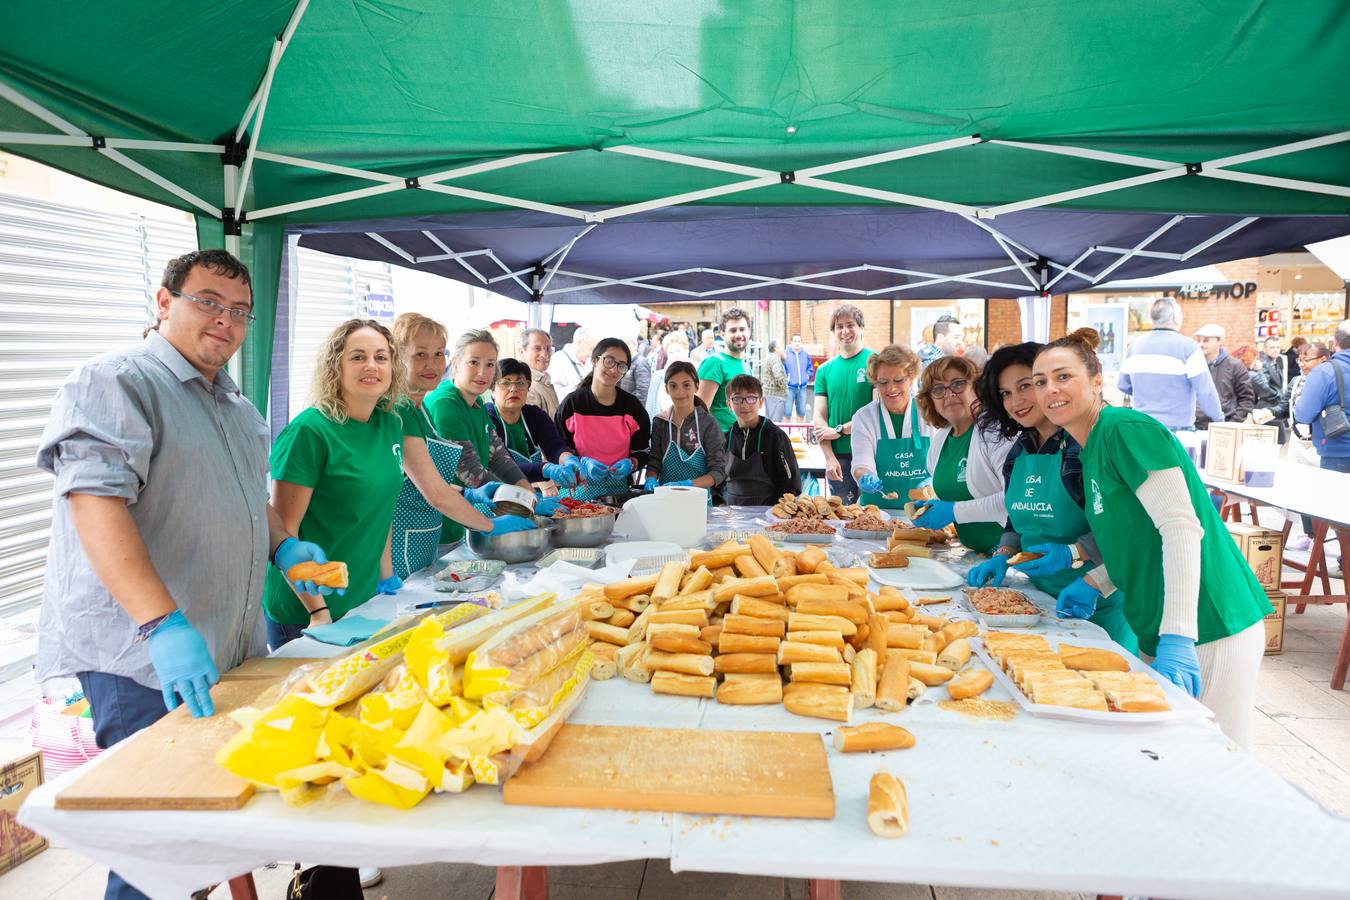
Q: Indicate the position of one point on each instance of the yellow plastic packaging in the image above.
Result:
(518, 656)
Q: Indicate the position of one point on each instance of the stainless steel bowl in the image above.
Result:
(516, 547)
(588, 531)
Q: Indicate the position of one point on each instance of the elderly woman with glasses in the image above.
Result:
(529, 434)
(604, 425)
(890, 441)
(966, 462)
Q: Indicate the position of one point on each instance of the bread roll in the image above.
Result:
(763, 663)
(822, 673)
(872, 736)
(955, 655)
(734, 624)
(893, 683)
(750, 690)
(821, 701)
(969, 684)
(1091, 659)
(887, 806)
(863, 683)
(929, 675)
(665, 682)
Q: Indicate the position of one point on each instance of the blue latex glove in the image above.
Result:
(508, 524)
(1054, 558)
(1177, 662)
(593, 469)
(483, 493)
(989, 573)
(687, 482)
(561, 475)
(294, 551)
(939, 515)
(389, 585)
(622, 469)
(545, 506)
(651, 484)
(871, 483)
(183, 665)
(1077, 601)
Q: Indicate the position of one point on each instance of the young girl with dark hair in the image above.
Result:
(688, 446)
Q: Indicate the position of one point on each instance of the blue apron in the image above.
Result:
(676, 466)
(417, 524)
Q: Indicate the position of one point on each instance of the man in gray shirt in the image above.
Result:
(161, 529)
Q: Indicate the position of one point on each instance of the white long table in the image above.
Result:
(1172, 810)
(1323, 496)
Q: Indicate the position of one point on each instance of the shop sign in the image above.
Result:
(1201, 291)
(380, 306)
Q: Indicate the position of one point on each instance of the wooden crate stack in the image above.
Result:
(732, 623)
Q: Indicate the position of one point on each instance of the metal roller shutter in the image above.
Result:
(331, 289)
(73, 284)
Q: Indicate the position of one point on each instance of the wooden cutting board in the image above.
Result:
(747, 773)
(269, 668)
(170, 765)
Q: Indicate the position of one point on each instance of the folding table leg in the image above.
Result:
(1316, 563)
(243, 888)
(822, 889)
(521, 883)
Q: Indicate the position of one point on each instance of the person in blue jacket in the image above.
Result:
(1324, 388)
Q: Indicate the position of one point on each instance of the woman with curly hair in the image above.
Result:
(1044, 501)
(336, 475)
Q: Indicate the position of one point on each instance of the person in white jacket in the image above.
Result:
(890, 439)
(966, 462)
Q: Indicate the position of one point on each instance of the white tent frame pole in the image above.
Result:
(74, 140)
(231, 240)
(391, 246)
(1151, 254)
(990, 212)
(1141, 245)
(37, 109)
(1031, 279)
(284, 40)
(457, 257)
(264, 92)
(1231, 229)
(876, 159)
(1288, 184)
(1072, 268)
(561, 254)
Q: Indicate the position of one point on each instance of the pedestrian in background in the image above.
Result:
(1232, 380)
(775, 383)
(801, 370)
(1165, 373)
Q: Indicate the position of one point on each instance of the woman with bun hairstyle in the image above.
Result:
(604, 425)
(688, 446)
(966, 462)
(1190, 597)
(526, 430)
(1044, 500)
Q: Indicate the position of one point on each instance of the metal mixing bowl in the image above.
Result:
(516, 547)
(587, 531)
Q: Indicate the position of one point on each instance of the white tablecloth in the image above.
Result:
(1320, 493)
(1171, 810)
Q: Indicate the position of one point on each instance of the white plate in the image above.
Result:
(1184, 706)
(921, 574)
(626, 550)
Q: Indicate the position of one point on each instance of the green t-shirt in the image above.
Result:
(355, 471)
(1123, 447)
(458, 420)
(844, 385)
(949, 483)
(722, 368)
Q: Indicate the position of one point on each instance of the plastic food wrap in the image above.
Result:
(413, 731)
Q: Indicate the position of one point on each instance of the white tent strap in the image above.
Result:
(283, 41)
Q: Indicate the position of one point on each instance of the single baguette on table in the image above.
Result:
(790, 652)
(812, 591)
(719, 558)
(697, 617)
(856, 575)
(622, 618)
(739, 689)
(955, 655)
(635, 603)
(822, 673)
(748, 587)
(757, 608)
(878, 627)
(666, 682)
(734, 624)
(872, 736)
(807, 622)
(855, 612)
(630, 587)
(887, 806)
(893, 686)
(863, 678)
(920, 656)
(697, 600)
(900, 636)
(824, 638)
(680, 643)
(929, 674)
(821, 701)
(788, 582)
(611, 634)
(595, 609)
(684, 663)
(711, 633)
(963, 628)
(765, 553)
(746, 663)
(668, 581)
(888, 602)
(638, 630)
(748, 567)
(810, 559)
(892, 559)
(748, 643)
(606, 662)
(698, 580)
(666, 629)
(969, 684)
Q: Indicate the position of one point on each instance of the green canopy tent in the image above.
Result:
(268, 114)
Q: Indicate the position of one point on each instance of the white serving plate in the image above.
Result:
(1184, 706)
(921, 574)
(623, 551)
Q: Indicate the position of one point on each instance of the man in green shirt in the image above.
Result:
(842, 388)
(718, 369)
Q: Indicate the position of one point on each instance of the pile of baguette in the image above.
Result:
(1087, 678)
(748, 624)
(790, 506)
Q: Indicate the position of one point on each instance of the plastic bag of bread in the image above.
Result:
(524, 652)
(532, 742)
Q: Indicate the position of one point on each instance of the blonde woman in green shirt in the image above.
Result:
(336, 474)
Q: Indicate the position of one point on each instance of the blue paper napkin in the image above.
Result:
(346, 631)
